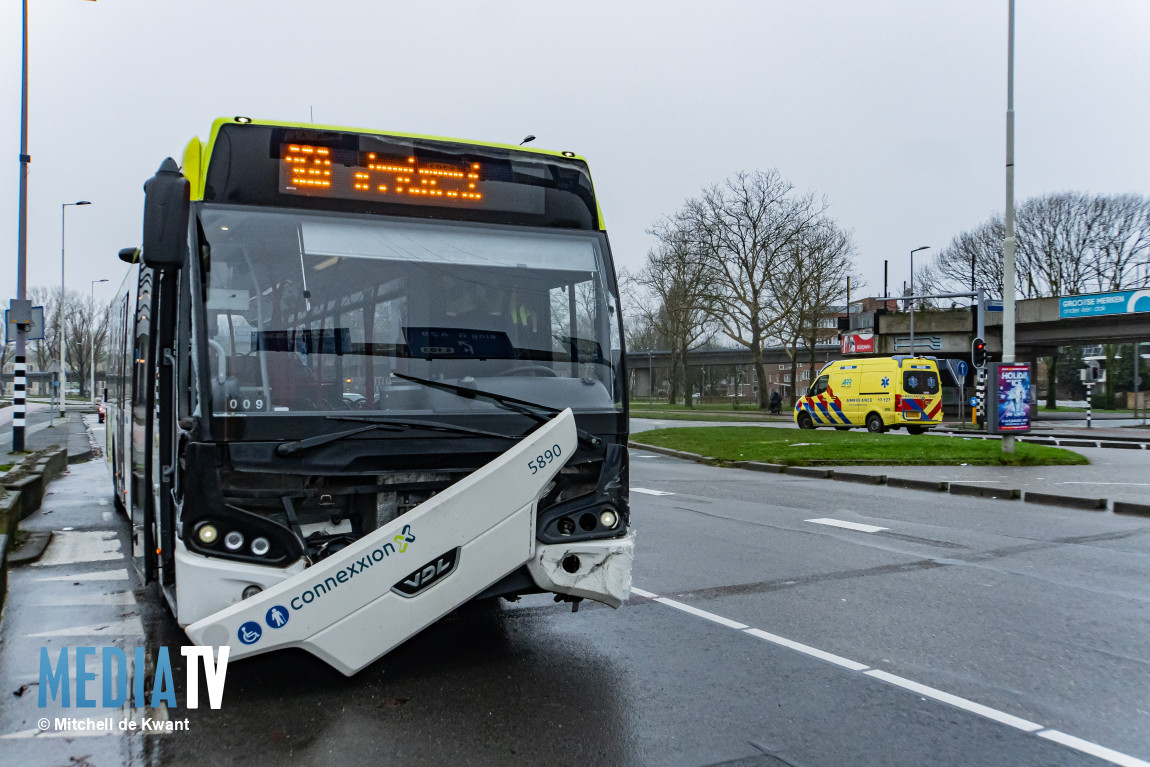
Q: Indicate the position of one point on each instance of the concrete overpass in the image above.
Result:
(1041, 326)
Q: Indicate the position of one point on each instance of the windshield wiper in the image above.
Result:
(390, 424)
(533, 410)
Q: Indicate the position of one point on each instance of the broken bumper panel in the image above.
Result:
(598, 570)
(362, 601)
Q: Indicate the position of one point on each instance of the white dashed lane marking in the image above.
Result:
(100, 575)
(77, 546)
(129, 627)
(647, 491)
(847, 525)
(1078, 744)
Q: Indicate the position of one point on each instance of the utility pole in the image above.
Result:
(1008, 249)
(19, 372)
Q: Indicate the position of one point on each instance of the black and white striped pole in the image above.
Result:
(1089, 400)
(21, 311)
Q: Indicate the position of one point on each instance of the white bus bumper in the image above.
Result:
(598, 570)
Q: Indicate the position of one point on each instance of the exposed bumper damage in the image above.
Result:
(598, 570)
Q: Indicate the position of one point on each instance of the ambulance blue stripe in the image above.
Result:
(814, 415)
(840, 413)
(826, 412)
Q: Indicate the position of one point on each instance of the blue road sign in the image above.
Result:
(974, 401)
(1122, 302)
(962, 368)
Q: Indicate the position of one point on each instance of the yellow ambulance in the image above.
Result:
(879, 393)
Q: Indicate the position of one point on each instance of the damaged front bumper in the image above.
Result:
(598, 569)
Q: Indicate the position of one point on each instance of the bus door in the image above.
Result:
(141, 497)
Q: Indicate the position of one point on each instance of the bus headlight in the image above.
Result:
(208, 534)
(608, 519)
(234, 540)
(261, 546)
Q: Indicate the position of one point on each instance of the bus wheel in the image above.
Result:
(915, 430)
(805, 421)
(874, 424)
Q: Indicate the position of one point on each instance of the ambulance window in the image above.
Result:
(820, 386)
(920, 382)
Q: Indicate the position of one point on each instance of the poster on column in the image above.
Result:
(1009, 406)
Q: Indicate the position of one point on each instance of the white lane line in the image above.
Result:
(1093, 749)
(701, 613)
(838, 660)
(130, 627)
(1085, 746)
(83, 600)
(646, 491)
(957, 702)
(99, 575)
(847, 525)
(71, 547)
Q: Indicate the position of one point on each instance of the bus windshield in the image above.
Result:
(313, 312)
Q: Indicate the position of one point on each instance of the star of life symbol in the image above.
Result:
(885, 382)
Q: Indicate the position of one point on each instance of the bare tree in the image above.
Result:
(745, 230)
(823, 260)
(678, 279)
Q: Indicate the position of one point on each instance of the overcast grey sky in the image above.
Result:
(895, 110)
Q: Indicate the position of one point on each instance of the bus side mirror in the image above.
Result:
(166, 197)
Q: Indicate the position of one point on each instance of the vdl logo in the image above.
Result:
(428, 575)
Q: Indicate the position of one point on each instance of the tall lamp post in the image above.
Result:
(1009, 244)
(60, 306)
(916, 250)
(92, 334)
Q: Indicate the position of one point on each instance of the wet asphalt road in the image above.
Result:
(1036, 613)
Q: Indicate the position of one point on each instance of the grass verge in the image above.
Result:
(832, 448)
(705, 415)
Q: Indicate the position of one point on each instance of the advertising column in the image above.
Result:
(1009, 406)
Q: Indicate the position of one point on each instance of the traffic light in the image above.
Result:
(978, 352)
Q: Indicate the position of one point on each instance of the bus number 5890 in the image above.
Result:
(548, 456)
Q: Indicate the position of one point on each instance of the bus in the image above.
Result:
(358, 378)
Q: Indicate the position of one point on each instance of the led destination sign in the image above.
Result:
(309, 170)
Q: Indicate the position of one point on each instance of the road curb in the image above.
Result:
(1136, 509)
(918, 484)
(32, 549)
(772, 468)
(809, 471)
(862, 479)
(1067, 501)
(982, 491)
(667, 451)
(1122, 445)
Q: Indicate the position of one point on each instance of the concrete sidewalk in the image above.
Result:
(43, 431)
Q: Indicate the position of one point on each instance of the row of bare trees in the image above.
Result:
(748, 261)
(1068, 243)
(85, 323)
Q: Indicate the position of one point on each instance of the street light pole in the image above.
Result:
(916, 250)
(1009, 244)
(92, 336)
(19, 372)
(60, 304)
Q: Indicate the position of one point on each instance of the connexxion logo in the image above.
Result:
(332, 582)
